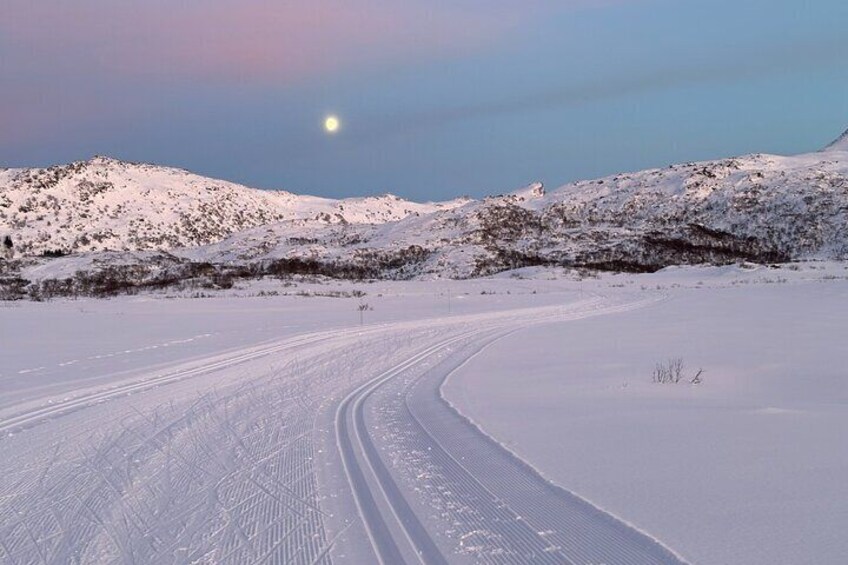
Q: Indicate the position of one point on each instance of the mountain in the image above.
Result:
(840, 144)
(105, 204)
(760, 208)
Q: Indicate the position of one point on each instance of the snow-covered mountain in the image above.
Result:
(761, 208)
(839, 144)
(105, 204)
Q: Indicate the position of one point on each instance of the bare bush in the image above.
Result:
(670, 371)
(673, 372)
(696, 380)
(362, 308)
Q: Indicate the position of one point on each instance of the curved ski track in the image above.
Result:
(216, 461)
(399, 439)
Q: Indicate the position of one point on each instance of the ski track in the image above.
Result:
(119, 353)
(215, 461)
(493, 507)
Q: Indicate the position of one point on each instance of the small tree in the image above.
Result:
(362, 308)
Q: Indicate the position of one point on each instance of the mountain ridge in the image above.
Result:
(839, 144)
(104, 204)
(761, 208)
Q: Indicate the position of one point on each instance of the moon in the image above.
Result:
(332, 124)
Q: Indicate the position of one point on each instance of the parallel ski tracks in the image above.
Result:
(370, 483)
(533, 520)
(519, 516)
(266, 506)
(33, 416)
(225, 478)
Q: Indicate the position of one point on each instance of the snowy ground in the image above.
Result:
(243, 428)
(747, 467)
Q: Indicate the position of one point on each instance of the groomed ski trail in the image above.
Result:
(220, 459)
(430, 487)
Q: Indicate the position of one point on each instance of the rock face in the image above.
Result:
(760, 208)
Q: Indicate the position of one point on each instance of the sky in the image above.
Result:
(436, 98)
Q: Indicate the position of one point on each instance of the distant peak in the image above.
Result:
(102, 159)
(537, 189)
(529, 192)
(840, 144)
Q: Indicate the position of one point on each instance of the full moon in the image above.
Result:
(331, 124)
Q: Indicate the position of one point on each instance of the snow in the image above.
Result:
(795, 205)
(162, 427)
(174, 457)
(106, 204)
(509, 418)
(790, 205)
(747, 467)
(763, 207)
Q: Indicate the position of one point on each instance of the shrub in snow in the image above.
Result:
(362, 308)
(672, 372)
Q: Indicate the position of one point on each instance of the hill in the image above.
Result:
(165, 227)
(108, 205)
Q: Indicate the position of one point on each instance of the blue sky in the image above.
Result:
(436, 98)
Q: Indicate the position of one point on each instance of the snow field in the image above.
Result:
(226, 448)
(747, 467)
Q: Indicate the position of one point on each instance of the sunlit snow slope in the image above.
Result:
(106, 204)
(170, 226)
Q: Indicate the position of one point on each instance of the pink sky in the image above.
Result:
(74, 55)
(260, 40)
